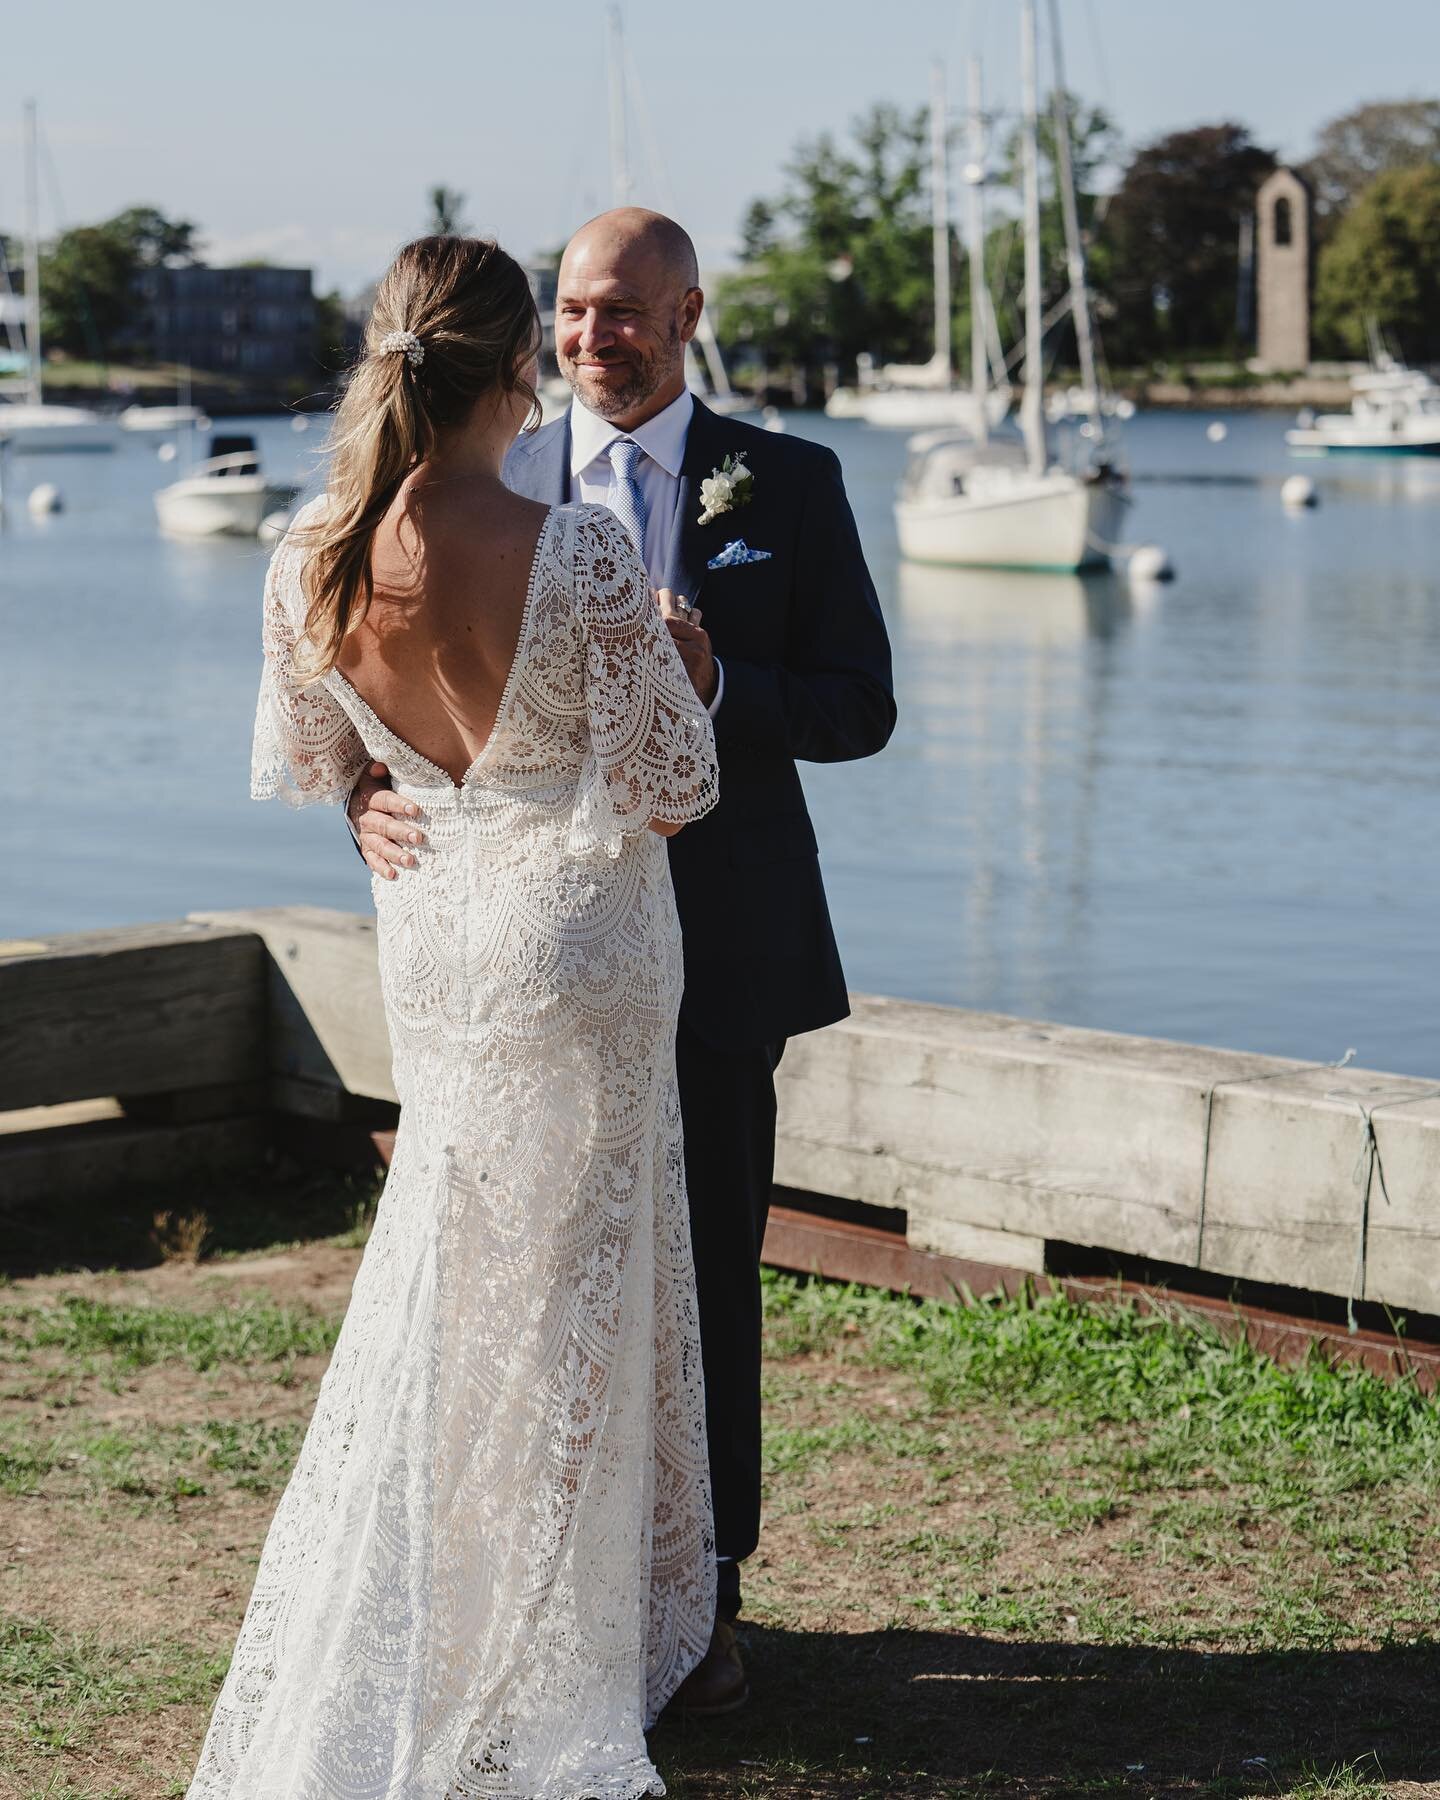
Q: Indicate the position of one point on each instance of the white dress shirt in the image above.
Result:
(663, 441)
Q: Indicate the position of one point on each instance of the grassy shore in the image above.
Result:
(1015, 1548)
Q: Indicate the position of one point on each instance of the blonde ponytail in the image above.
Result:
(460, 321)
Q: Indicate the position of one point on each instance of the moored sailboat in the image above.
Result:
(969, 501)
(32, 424)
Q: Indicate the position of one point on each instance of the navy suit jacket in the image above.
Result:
(807, 675)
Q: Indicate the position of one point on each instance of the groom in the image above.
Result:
(799, 666)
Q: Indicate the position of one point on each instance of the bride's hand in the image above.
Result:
(692, 642)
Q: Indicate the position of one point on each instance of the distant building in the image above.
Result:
(248, 321)
(1282, 268)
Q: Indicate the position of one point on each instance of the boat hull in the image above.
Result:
(1056, 522)
(28, 431)
(162, 418)
(1316, 443)
(227, 508)
(915, 409)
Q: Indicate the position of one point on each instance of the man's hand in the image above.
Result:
(384, 823)
(692, 643)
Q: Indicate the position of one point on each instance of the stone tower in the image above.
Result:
(1282, 257)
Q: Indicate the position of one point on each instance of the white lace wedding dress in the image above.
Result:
(494, 1561)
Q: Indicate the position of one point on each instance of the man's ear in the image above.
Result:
(691, 308)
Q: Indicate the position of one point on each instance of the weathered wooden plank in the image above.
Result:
(112, 1155)
(1402, 1263)
(327, 1020)
(140, 1010)
(975, 1122)
(974, 1119)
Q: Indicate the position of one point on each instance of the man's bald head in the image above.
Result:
(634, 233)
(627, 304)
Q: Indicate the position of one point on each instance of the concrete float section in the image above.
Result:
(993, 1136)
(997, 1134)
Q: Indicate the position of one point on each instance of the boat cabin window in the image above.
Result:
(1282, 221)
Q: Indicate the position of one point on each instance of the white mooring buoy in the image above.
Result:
(1298, 492)
(45, 499)
(299, 423)
(166, 451)
(1217, 431)
(1150, 562)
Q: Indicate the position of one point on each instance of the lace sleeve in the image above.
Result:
(652, 746)
(306, 748)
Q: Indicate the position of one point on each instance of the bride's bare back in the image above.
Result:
(451, 564)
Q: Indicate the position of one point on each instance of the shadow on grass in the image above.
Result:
(271, 1205)
(934, 1713)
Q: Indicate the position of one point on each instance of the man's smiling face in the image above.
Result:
(624, 313)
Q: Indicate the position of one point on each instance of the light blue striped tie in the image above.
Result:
(626, 500)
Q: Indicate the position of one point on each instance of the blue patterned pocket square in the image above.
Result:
(735, 552)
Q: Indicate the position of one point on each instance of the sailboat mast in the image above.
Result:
(32, 252)
(975, 235)
(940, 222)
(1074, 248)
(619, 148)
(1032, 420)
(1032, 404)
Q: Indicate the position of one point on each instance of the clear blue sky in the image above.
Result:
(307, 132)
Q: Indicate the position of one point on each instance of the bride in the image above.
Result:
(494, 1561)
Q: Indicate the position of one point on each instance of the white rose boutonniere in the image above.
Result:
(726, 488)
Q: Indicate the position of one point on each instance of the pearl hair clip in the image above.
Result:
(403, 343)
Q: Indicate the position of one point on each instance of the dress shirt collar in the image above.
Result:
(661, 438)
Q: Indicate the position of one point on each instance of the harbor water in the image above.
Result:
(1204, 811)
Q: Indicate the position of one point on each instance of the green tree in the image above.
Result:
(447, 208)
(87, 276)
(1371, 140)
(332, 333)
(839, 262)
(1383, 263)
(1168, 250)
(155, 241)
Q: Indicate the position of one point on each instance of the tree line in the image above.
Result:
(838, 262)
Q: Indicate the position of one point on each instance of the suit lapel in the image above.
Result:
(541, 470)
(691, 543)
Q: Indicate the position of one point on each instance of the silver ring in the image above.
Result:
(685, 606)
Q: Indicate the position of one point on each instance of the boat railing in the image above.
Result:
(238, 462)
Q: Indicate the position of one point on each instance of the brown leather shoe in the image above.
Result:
(717, 1683)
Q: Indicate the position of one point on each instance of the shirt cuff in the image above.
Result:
(714, 705)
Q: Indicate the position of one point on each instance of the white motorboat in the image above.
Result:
(163, 418)
(33, 427)
(977, 500)
(226, 496)
(1394, 411)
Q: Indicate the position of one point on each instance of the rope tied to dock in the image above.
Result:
(1368, 1168)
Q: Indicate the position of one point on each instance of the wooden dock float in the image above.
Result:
(921, 1147)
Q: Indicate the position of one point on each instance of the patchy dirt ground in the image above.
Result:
(944, 1603)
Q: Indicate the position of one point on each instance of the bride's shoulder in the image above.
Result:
(606, 576)
(590, 531)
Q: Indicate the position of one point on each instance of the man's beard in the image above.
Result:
(646, 378)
